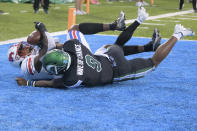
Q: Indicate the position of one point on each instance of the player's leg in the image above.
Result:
(93, 28)
(150, 46)
(128, 32)
(124, 69)
(46, 6)
(194, 5)
(181, 2)
(36, 5)
(165, 48)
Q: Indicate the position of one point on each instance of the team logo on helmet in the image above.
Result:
(56, 61)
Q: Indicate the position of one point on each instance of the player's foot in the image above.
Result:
(138, 4)
(83, 12)
(156, 39)
(142, 15)
(144, 3)
(180, 31)
(154, 43)
(80, 12)
(46, 11)
(120, 22)
(35, 11)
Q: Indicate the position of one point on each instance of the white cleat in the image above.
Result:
(182, 31)
(138, 4)
(80, 12)
(142, 15)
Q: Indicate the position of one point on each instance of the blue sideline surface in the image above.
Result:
(165, 99)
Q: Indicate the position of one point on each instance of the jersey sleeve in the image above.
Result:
(27, 66)
(74, 34)
(51, 42)
(29, 71)
(60, 83)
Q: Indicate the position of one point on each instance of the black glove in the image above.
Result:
(40, 26)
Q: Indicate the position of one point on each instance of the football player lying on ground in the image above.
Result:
(23, 54)
(79, 66)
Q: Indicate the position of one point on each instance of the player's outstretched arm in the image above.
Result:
(41, 83)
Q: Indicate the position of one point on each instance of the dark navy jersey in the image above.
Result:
(86, 69)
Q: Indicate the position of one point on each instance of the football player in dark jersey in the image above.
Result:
(79, 66)
(119, 24)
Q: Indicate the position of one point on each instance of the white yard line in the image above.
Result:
(5, 13)
(127, 22)
(153, 24)
(144, 28)
(163, 16)
(184, 18)
(167, 21)
(25, 38)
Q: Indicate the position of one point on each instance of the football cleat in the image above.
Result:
(144, 3)
(156, 39)
(138, 4)
(142, 15)
(183, 31)
(80, 12)
(46, 11)
(35, 11)
(120, 22)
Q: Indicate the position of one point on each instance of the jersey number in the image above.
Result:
(93, 63)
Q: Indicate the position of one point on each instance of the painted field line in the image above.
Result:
(153, 24)
(184, 18)
(166, 21)
(163, 16)
(25, 38)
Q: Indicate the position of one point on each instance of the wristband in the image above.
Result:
(30, 83)
(34, 84)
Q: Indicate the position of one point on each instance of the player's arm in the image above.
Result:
(43, 45)
(59, 45)
(41, 83)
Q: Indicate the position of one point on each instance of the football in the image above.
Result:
(34, 38)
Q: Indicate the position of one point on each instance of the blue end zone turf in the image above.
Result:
(165, 99)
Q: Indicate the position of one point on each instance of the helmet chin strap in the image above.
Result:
(56, 70)
(69, 61)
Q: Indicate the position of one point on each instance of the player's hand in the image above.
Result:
(40, 26)
(21, 81)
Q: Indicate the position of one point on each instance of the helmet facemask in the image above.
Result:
(18, 52)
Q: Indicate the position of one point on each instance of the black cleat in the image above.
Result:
(35, 11)
(120, 22)
(156, 39)
(46, 11)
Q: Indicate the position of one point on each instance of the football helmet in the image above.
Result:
(56, 61)
(16, 53)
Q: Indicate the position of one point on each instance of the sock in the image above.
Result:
(129, 50)
(127, 34)
(112, 26)
(178, 35)
(90, 28)
(148, 47)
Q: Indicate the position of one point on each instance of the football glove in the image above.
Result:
(40, 26)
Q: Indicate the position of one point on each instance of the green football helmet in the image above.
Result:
(56, 61)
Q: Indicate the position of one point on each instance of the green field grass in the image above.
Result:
(19, 22)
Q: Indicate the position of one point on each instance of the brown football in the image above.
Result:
(34, 37)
